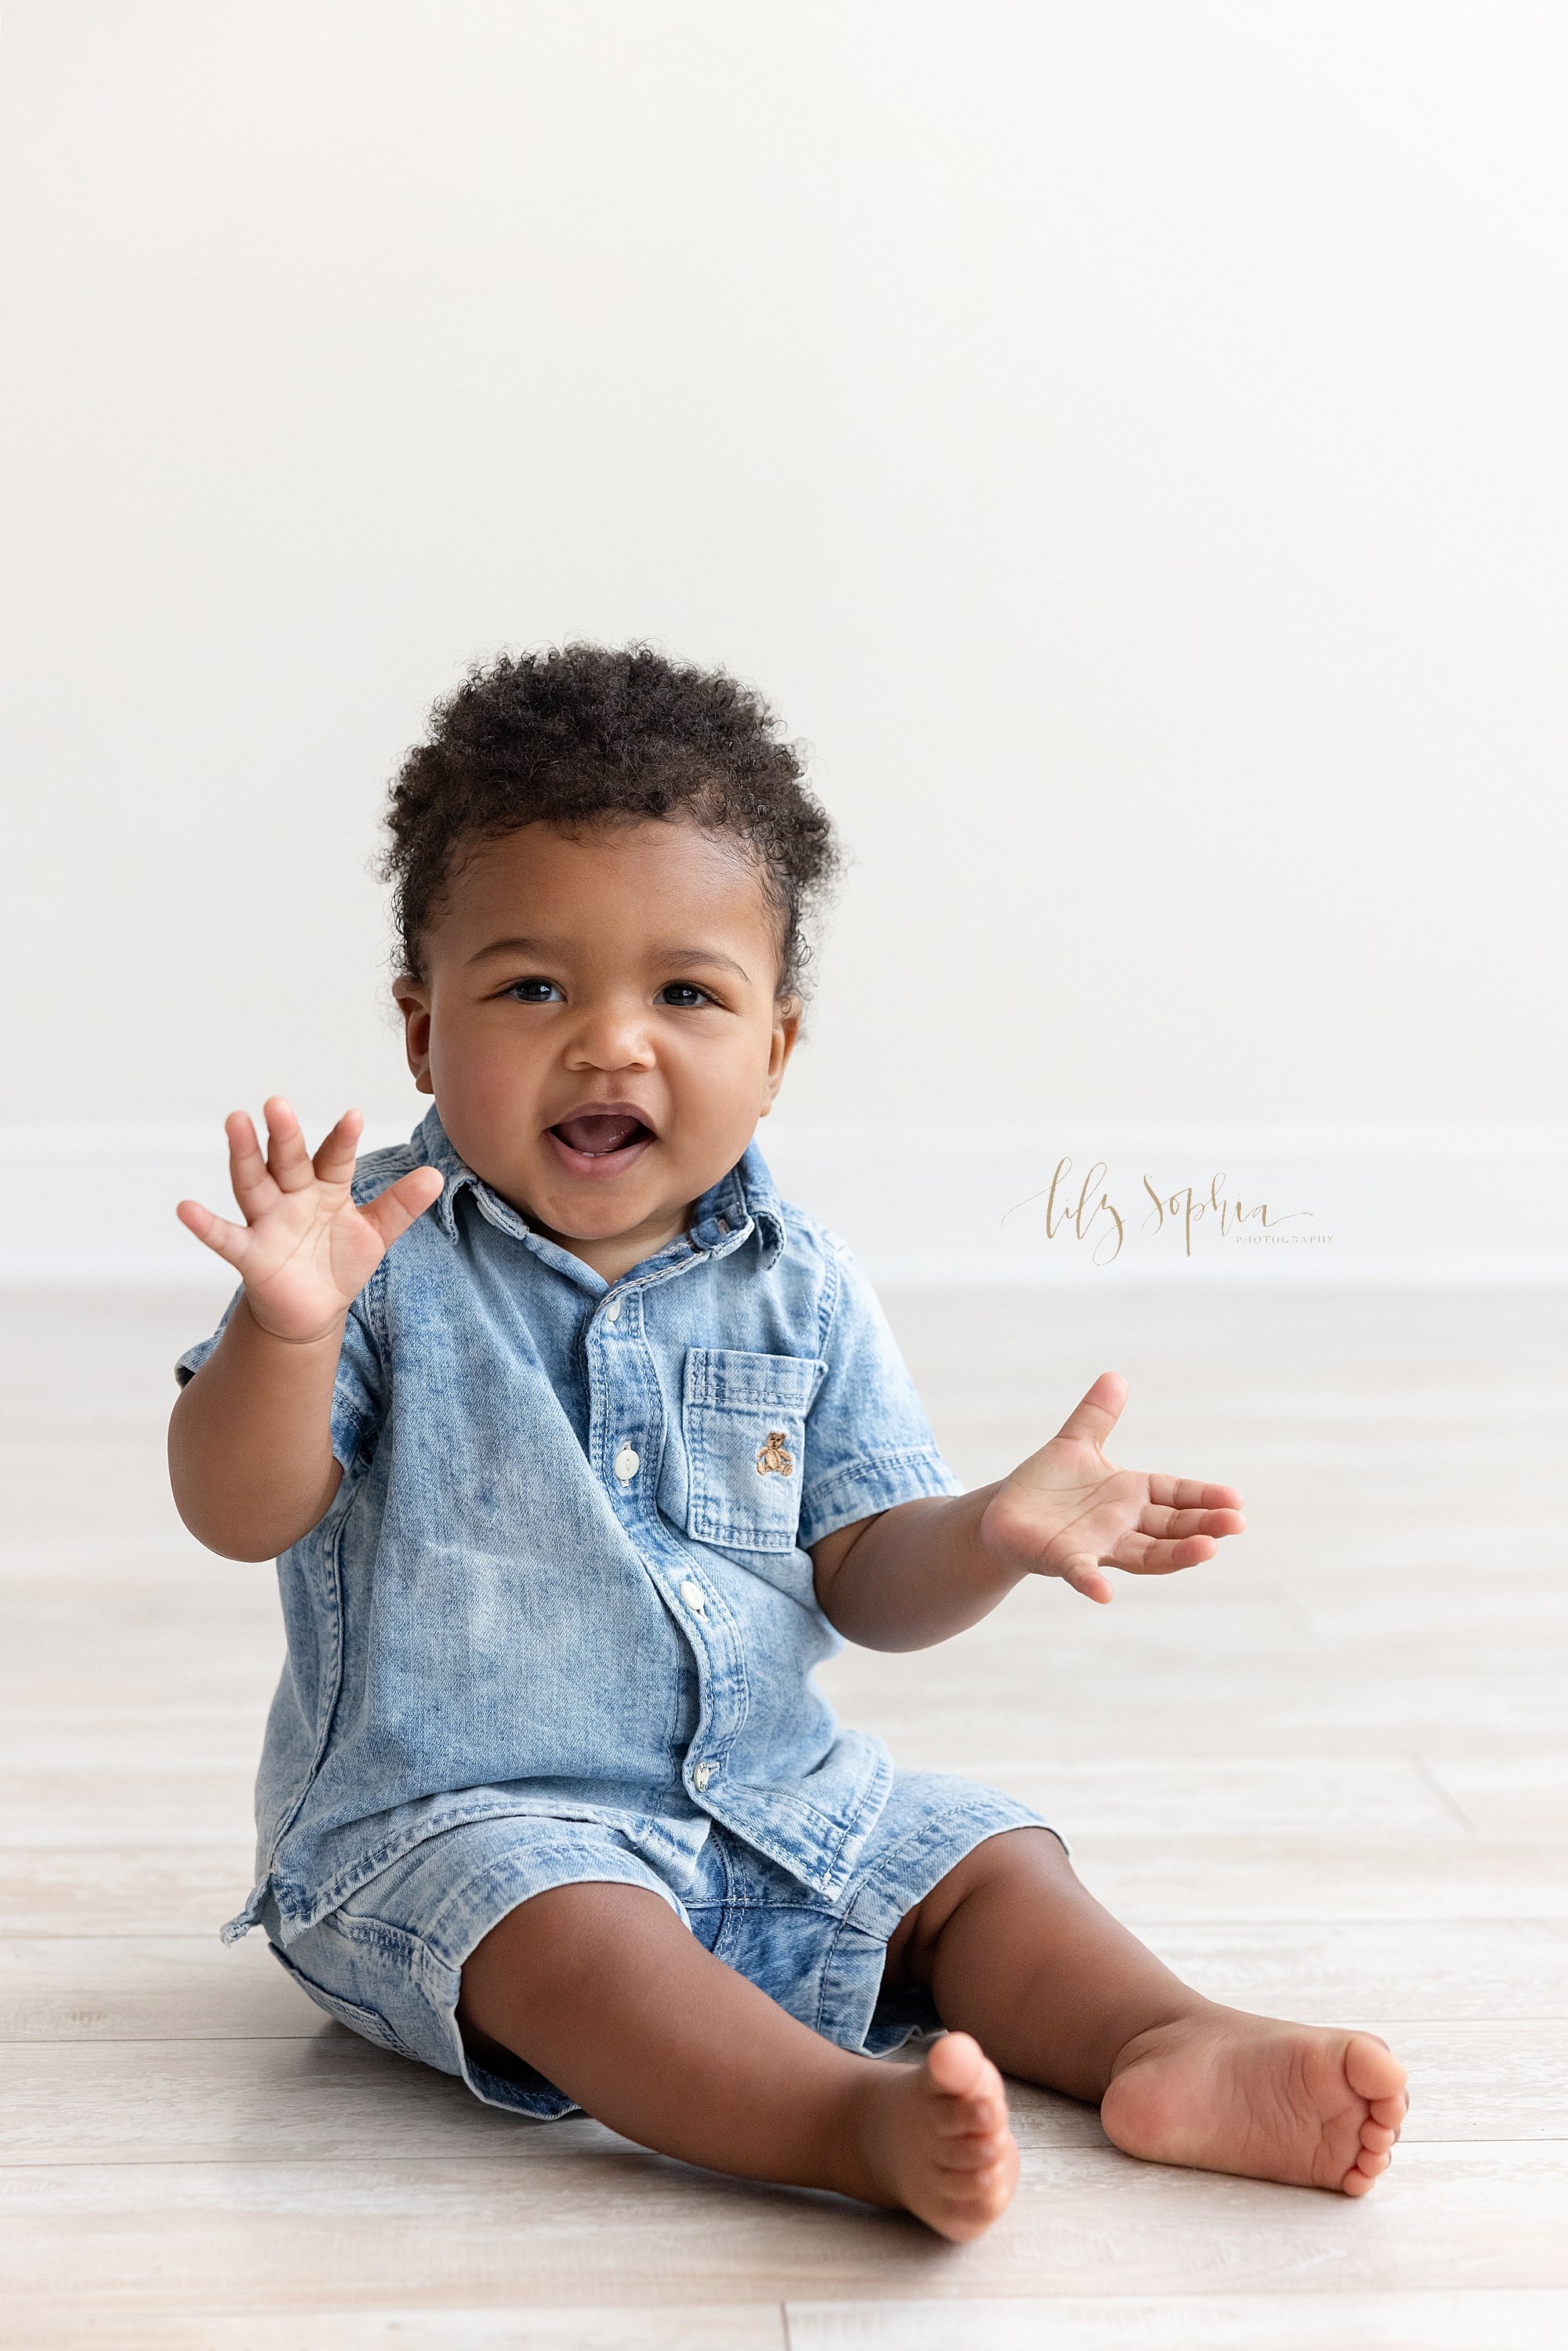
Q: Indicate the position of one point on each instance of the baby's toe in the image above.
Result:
(978, 2152)
(958, 2066)
(971, 2106)
(1373, 2070)
(964, 2208)
(1377, 2138)
(977, 2196)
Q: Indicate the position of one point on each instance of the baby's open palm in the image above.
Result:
(1068, 1512)
(306, 1249)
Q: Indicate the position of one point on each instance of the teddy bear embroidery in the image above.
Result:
(774, 1456)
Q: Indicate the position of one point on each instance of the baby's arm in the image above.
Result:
(925, 1570)
(250, 1443)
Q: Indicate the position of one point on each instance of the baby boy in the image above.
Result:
(578, 1448)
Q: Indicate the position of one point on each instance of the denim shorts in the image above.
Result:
(388, 1961)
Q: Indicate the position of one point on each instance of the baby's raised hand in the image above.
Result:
(305, 1250)
(1068, 1512)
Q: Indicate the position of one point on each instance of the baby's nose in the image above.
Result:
(611, 1040)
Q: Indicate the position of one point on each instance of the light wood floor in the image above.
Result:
(1326, 1776)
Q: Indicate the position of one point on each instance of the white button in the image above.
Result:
(701, 1777)
(695, 1597)
(612, 1311)
(627, 1464)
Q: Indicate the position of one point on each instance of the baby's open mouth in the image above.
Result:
(601, 1135)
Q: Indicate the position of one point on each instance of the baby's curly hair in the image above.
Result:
(586, 734)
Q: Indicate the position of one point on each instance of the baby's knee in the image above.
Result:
(561, 1941)
(1026, 1856)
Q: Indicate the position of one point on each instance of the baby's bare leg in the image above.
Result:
(604, 1992)
(1015, 1951)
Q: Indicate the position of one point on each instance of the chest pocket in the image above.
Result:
(744, 1419)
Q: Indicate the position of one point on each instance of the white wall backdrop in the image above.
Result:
(1126, 439)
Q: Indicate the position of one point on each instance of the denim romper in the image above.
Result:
(559, 1623)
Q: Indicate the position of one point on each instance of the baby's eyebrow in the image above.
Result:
(701, 954)
(517, 947)
(688, 957)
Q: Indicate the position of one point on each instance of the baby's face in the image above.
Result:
(600, 1026)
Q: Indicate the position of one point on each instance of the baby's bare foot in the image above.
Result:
(936, 2139)
(1227, 2092)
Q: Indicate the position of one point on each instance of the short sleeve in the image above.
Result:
(357, 1391)
(868, 1443)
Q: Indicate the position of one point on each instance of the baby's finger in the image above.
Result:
(288, 1160)
(334, 1161)
(1191, 1493)
(392, 1211)
(1158, 1555)
(1083, 1571)
(252, 1187)
(1157, 1521)
(231, 1242)
(1097, 1411)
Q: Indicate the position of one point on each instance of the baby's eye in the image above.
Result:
(536, 991)
(683, 994)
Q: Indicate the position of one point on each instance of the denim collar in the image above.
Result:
(730, 1212)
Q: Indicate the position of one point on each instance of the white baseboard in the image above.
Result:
(1315, 1206)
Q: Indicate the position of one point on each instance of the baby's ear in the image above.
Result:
(411, 997)
(786, 1029)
